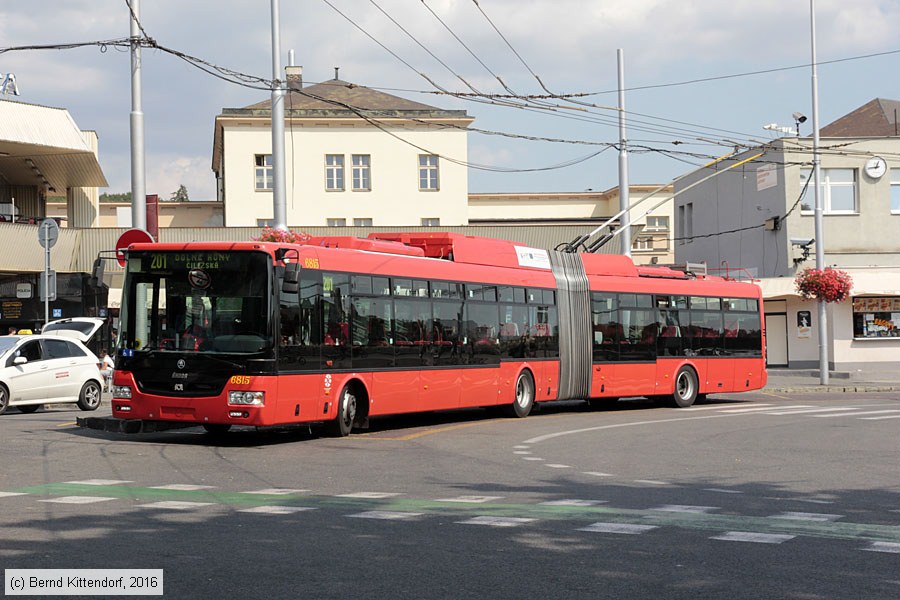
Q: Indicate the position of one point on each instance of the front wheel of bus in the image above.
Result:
(686, 388)
(524, 401)
(346, 414)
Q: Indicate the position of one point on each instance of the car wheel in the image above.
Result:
(346, 414)
(89, 398)
(686, 388)
(524, 400)
(28, 408)
(4, 398)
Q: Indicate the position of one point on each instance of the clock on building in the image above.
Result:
(876, 167)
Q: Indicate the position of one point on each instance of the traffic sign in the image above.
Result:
(51, 285)
(48, 233)
(132, 236)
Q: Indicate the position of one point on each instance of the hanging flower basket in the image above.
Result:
(270, 234)
(830, 285)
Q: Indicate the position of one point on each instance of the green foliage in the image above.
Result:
(125, 197)
(180, 196)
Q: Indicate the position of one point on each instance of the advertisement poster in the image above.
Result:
(804, 324)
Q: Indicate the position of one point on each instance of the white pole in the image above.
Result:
(138, 185)
(46, 227)
(819, 228)
(279, 200)
(624, 197)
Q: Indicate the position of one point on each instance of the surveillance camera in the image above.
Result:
(802, 242)
(800, 117)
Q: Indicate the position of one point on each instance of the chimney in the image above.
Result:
(294, 77)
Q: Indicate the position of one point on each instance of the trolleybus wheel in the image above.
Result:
(89, 398)
(217, 428)
(524, 400)
(686, 388)
(346, 414)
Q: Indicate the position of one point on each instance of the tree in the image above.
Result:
(180, 196)
(125, 197)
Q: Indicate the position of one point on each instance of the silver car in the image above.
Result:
(47, 369)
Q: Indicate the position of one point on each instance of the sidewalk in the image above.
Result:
(808, 380)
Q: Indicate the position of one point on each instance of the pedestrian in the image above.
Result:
(107, 366)
(12, 331)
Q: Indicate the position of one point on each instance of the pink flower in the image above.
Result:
(286, 236)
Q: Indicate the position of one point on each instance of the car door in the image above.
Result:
(64, 370)
(28, 380)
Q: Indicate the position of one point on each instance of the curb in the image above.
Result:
(810, 389)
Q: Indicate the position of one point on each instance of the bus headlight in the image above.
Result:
(253, 398)
(122, 391)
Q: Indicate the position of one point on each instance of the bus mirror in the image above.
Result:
(291, 282)
(97, 273)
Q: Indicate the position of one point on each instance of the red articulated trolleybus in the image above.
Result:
(340, 329)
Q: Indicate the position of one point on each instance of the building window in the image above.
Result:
(657, 224)
(642, 244)
(685, 223)
(336, 222)
(876, 317)
(431, 222)
(428, 172)
(265, 222)
(838, 189)
(895, 191)
(362, 176)
(366, 222)
(334, 172)
(263, 172)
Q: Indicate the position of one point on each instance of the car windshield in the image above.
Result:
(84, 327)
(206, 301)
(7, 342)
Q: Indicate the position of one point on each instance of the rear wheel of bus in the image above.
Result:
(342, 424)
(524, 400)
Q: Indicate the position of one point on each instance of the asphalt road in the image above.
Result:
(751, 496)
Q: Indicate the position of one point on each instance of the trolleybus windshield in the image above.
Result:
(196, 301)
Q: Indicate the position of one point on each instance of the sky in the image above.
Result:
(700, 75)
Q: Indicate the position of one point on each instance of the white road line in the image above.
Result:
(879, 418)
(856, 414)
(721, 491)
(520, 447)
(532, 458)
(651, 481)
(573, 502)
(685, 508)
(370, 495)
(77, 499)
(9, 494)
(497, 521)
(758, 538)
(276, 491)
(621, 528)
(521, 452)
(815, 410)
(470, 499)
(715, 407)
(763, 408)
(557, 466)
(598, 474)
(386, 515)
(804, 516)
(892, 547)
(175, 505)
(182, 487)
(100, 482)
(276, 510)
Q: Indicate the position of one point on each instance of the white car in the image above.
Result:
(47, 369)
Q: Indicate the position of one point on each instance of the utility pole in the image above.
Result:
(279, 200)
(138, 185)
(820, 237)
(624, 198)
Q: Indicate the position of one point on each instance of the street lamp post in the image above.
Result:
(820, 238)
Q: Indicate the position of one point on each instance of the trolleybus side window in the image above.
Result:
(607, 331)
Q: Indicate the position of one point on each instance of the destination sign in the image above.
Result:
(164, 261)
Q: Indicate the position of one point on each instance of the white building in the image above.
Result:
(354, 156)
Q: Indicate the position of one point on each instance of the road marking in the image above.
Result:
(804, 516)
(891, 547)
(532, 458)
(684, 508)
(175, 505)
(598, 474)
(471, 499)
(573, 502)
(721, 491)
(276, 491)
(77, 499)
(651, 482)
(521, 447)
(815, 410)
(418, 434)
(719, 407)
(182, 487)
(386, 515)
(369, 495)
(763, 408)
(67, 424)
(856, 414)
(8, 494)
(521, 452)
(758, 538)
(557, 466)
(879, 418)
(497, 521)
(276, 510)
(621, 528)
(100, 482)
